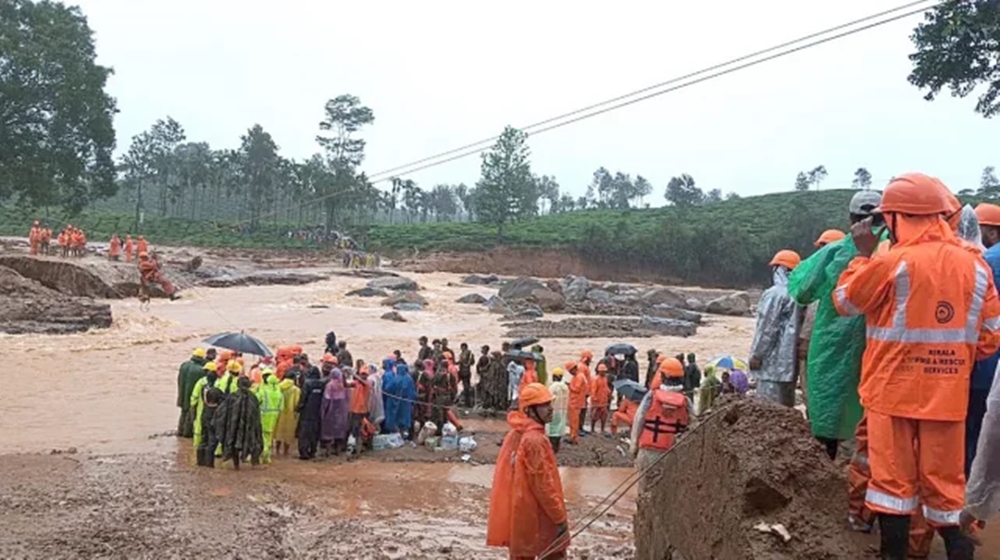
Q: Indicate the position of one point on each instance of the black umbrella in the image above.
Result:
(522, 342)
(630, 389)
(239, 342)
(524, 355)
(622, 348)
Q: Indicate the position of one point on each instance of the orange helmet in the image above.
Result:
(660, 358)
(988, 214)
(786, 258)
(829, 236)
(586, 355)
(144, 255)
(918, 195)
(533, 394)
(671, 367)
(329, 358)
(569, 366)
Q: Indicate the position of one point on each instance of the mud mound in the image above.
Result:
(600, 327)
(265, 278)
(85, 277)
(751, 462)
(28, 307)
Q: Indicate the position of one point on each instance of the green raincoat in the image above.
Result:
(271, 402)
(198, 404)
(836, 346)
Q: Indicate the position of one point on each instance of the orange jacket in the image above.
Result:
(537, 496)
(142, 246)
(359, 397)
(584, 369)
(628, 409)
(148, 269)
(530, 376)
(578, 391)
(498, 524)
(931, 309)
(667, 414)
(116, 247)
(600, 393)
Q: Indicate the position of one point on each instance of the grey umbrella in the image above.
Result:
(621, 348)
(239, 342)
(630, 389)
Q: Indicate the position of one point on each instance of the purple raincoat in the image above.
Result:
(334, 421)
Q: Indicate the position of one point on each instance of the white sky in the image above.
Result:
(442, 74)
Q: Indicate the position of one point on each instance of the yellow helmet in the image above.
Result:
(198, 353)
(210, 366)
(234, 366)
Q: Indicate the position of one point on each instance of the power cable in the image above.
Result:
(705, 74)
(659, 85)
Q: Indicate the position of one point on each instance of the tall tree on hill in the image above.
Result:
(444, 202)
(682, 191)
(989, 186)
(413, 196)
(958, 47)
(714, 195)
(464, 194)
(548, 190)
(817, 176)
(56, 131)
(641, 188)
(802, 181)
(193, 161)
(732, 196)
(862, 179)
(505, 186)
(344, 117)
(260, 171)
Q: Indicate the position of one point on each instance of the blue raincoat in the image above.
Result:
(405, 389)
(389, 384)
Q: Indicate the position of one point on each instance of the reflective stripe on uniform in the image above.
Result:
(891, 503)
(969, 334)
(941, 517)
(845, 305)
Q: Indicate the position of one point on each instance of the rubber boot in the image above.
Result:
(957, 544)
(895, 534)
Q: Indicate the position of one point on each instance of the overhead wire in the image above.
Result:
(703, 75)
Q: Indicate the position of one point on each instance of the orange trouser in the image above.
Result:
(574, 423)
(34, 247)
(619, 417)
(157, 278)
(858, 475)
(916, 462)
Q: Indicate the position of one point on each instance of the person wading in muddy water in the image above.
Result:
(527, 509)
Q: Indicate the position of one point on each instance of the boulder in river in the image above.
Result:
(477, 280)
(664, 311)
(404, 297)
(737, 304)
(394, 283)
(368, 292)
(393, 316)
(668, 296)
(575, 288)
(669, 327)
(26, 306)
(408, 306)
(599, 296)
(531, 311)
(472, 298)
(547, 299)
(264, 278)
(520, 288)
(496, 304)
(695, 304)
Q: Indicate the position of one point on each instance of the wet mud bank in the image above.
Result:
(27, 306)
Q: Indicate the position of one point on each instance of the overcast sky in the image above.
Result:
(442, 74)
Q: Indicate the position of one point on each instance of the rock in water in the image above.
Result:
(737, 304)
(28, 307)
(665, 311)
(393, 316)
(496, 304)
(695, 304)
(408, 306)
(576, 288)
(520, 288)
(395, 283)
(478, 280)
(265, 278)
(404, 297)
(531, 311)
(778, 474)
(664, 295)
(669, 327)
(599, 296)
(547, 299)
(472, 298)
(368, 292)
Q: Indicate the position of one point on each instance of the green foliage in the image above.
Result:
(681, 191)
(862, 179)
(958, 47)
(506, 189)
(56, 133)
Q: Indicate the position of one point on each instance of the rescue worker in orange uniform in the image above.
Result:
(827, 237)
(529, 376)
(527, 509)
(34, 238)
(149, 271)
(931, 309)
(129, 248)
(46, 240)
(141, 246)
(114, 248)
(577, 400)
(668, 367)
(663, 413)
(624, 415)
(583, 367)
(600, 398)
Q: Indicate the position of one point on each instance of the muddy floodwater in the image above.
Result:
(91, 470)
